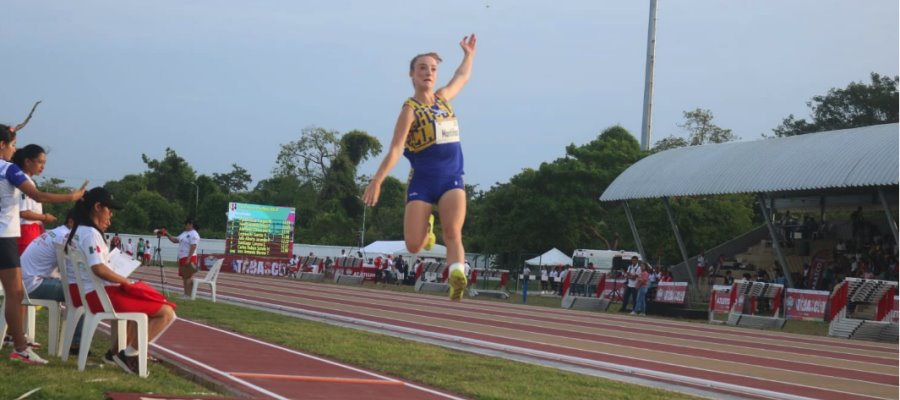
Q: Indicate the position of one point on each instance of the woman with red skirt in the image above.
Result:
(31, 160)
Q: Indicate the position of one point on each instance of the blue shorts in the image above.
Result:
(430, 188)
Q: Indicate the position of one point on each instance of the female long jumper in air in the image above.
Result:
(427, 133)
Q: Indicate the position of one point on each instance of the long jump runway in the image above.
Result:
(722, 360)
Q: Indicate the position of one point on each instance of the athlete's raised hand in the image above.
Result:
(468, 44)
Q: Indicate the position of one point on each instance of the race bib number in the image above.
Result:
(446, 131)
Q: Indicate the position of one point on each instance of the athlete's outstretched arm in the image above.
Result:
(462, 74)
(401, 129)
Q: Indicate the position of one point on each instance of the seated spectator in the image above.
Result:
(93, 215)
(779, 277)
(38, 267)
(729, 278)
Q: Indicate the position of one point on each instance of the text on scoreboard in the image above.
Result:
(260, 230)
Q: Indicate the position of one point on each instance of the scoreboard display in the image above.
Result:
(260, 230)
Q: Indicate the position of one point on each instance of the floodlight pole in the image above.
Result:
(646, 123)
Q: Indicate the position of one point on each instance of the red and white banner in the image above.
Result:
(247, 265)
(671, 292)
(805, 304)
(720, 301)
(613, 289)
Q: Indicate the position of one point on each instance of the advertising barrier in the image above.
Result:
(671, 292)
(720, 300)
(805, 304)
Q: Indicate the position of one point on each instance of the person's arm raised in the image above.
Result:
(463, 72)
(43, 197)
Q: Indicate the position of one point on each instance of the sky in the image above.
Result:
(228, 82)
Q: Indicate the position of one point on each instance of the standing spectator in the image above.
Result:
(129, 248)
(140, 250)
(642, 283)
(31, 160)
(379, 274)
(729, 279)
(115, 242)
(545, 280)
(631, 287)
(554, 277)
(187, 253)
(701, 265)
(148, 252)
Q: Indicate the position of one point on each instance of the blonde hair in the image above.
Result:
(412, 63)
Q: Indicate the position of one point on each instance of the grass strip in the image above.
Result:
(467, 374)
(62, 380)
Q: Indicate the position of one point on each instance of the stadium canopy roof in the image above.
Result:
(843, 159)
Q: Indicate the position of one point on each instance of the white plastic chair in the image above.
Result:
(53, 308)
(31, 317)
(92, 320)
(72, 313)
(209, 279)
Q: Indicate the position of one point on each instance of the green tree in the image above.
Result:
(235, 181)
(385, 222)
(172, 178)
(59, 210)
(857, 105)
(148, 210)
(556, 205)
(700, 128)
(308, 158)
(123, 189)
(339, 198)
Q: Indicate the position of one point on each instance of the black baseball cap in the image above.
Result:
(102, 196)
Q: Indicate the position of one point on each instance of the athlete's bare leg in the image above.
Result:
(452, 209)
(415, 225)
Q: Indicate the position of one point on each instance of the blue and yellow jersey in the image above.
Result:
(432, 145)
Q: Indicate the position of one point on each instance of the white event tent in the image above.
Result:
(398, 248)
(552, 257)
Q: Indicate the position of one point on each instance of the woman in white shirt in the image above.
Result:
(31, 160)
(93, 216)
(187, 253)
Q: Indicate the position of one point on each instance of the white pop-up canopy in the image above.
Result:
(398, 248)
(551, 257)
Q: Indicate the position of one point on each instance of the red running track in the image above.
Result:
(749, 363)
(266, 370)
